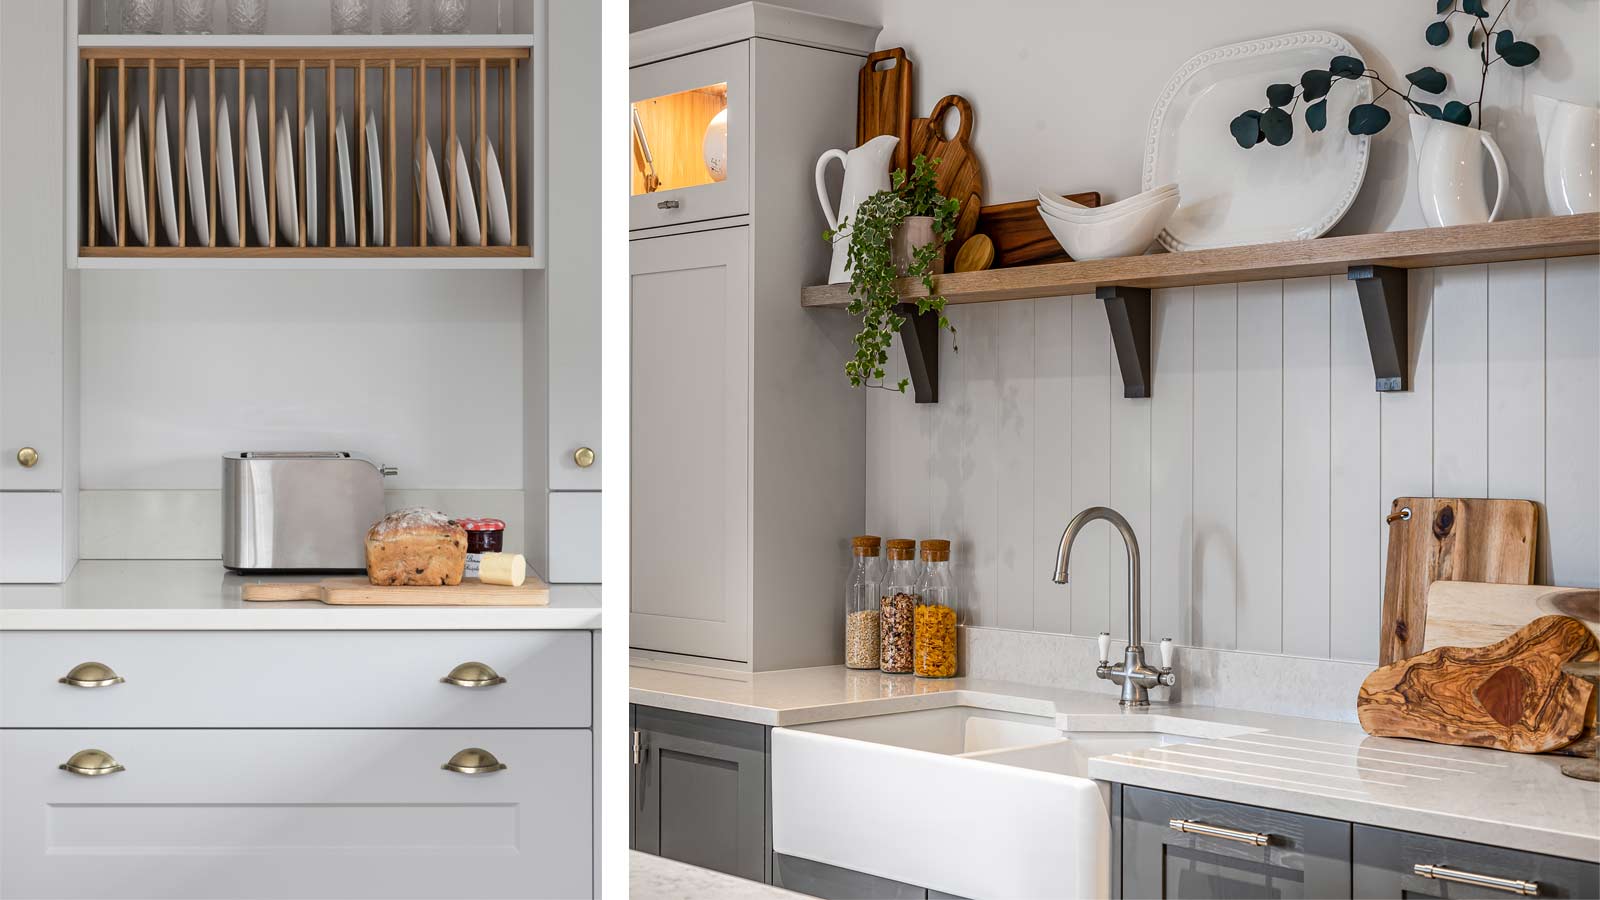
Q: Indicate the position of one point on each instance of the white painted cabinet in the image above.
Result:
(746, 476)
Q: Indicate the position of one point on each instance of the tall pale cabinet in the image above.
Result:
(746, 479)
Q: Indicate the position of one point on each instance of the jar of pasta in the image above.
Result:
(938, 612)
(861, 604)
(897, 607)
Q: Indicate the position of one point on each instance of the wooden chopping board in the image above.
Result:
(358, 591)
(958, 174)
(1469, 614)
(883, 102)
(1449, 539)
(1510, 695)
(1019, 234)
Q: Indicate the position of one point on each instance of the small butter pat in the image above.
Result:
(503, 568)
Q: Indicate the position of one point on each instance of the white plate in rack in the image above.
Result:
(377, 229)
(104, 179)
(311, 181)
(227, 187)
(347, 198)
(438, 213)
(255, 180)
(133, 180)
(467, 233)
(499, 212)
(1234, 196)
(197, 177)
(288, 205)
(169, 203)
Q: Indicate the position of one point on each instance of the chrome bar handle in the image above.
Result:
(1253, 838)
(1509, 885)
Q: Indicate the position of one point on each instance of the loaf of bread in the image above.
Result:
(416, 546)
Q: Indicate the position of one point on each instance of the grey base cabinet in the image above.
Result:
(807, 876)
(1386, 864)
(699, 791)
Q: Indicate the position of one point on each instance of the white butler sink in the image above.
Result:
(970, 802)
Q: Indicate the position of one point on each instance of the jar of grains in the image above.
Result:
(897, 604)
(861, 604)
(937, 614)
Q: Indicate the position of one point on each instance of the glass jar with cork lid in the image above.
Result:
(898, 608)
(938, 612)
(861, 603)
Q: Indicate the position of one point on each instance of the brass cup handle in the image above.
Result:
(474, 761)
(584, 457)
(91, 675)
(473, 675)
(1253, 838)
(27, 457)
(1459, 876)
(91, 762)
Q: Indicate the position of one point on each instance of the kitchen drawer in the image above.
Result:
(1304, 856)
(1386, 860)
(291, 813)
(296, 679)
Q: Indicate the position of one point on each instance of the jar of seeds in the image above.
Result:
(938, 613)
(897, 606)
(861, 604)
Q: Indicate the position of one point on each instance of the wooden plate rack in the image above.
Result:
(407, 74)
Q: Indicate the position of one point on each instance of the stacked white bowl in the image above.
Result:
(1124, 228)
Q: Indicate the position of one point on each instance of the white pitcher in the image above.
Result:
(866, 172)
(1569, 134)
(1450, 172)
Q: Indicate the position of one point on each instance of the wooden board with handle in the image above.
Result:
(358, 591)
(1470, 614)
(1019, 234)
(958, 175)
(883, 102)
(1509, 695)
(1449, 539)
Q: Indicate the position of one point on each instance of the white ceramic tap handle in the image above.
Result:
(1166, 653)
(1105, 646)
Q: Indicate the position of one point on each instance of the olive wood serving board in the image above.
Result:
(1449, 539)
(358, 591)
(958, 175)
(1509, 695)
(883, 103)
(1020, 235)
(1469, 614)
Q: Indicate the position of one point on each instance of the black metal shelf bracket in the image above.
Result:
(1384, 304)
(1128, 311)
(920, 338)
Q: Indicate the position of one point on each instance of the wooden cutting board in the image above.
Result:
(958, 174)
(1510, 695)
(1469, 614)
(1019, 234)
(883, 102)
(358, 591)
(1449, 539)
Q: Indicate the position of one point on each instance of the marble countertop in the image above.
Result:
(166, 595)
(658, 878)
(1310, 766)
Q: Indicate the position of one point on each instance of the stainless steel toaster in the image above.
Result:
(299, 511)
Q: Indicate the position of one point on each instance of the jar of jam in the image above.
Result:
(483, 536)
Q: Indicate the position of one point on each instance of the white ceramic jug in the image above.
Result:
(1569, 134)
(1450, 172)
(866, 172)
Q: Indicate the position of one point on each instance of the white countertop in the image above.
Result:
(1311, 766)
(658, 878)
(167, 595)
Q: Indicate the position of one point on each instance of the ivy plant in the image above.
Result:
(869, 260)
(1274, 124)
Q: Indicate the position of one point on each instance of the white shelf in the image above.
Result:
(359, 41)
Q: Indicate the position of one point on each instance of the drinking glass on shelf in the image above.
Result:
(449, 16)
(141, 16)
(191, 16)
(398, 16)
(352, 16)
(247, 16)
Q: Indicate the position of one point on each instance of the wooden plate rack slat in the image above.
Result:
(395, 235)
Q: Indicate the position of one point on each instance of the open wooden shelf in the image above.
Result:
(1375, 262)
(1423, 248)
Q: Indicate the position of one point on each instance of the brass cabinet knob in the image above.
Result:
(584, 457)
(473, 675)
(91, 762)
(474, 761)
(91, 675)
(27, 457)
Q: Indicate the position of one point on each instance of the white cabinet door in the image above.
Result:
(32, 525)
(286, 813)
(690, 440)
(32, 365)
(675, 111)
(575, 537)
